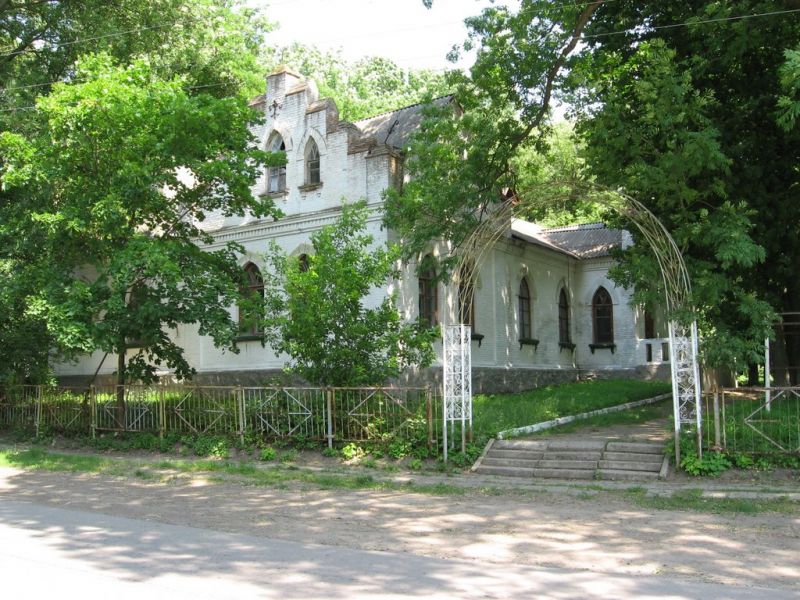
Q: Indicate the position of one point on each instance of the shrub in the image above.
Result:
(351, 451)
(267, 454)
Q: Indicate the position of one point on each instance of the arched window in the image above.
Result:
(603, 317)
(303, 263)
(428, 296)
(466, 298)
(312, 163)
(276, 176)
(564, 336)
(524, 310)
(252, 299)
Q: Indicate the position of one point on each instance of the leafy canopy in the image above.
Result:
(318, 315)
(367, 87)
(113, 192)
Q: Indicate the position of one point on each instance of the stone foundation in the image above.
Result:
(485, 380)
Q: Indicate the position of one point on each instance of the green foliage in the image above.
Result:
(465, 459)
(369, 86)
(681, 118)
(415, 464)
(267, 454)
(330, 453)
(789, 103)
(318, 317)
(711, 464)
(552, 180)
(288, 456)
(216, 446)
(208, 48)
(100, 193)
(352, 451)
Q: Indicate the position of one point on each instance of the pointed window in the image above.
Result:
(603, 317)
(276, 176)
(252, 299)
(524, 310)
(303, 263)
(428, 296)
(564, 336)
(312, 163)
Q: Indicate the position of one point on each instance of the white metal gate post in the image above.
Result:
(685, 381)
(767, 378)
(457, 405)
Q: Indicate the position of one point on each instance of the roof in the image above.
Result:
(591, 240)
(395, 127)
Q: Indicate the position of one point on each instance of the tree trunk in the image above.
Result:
(121, 388)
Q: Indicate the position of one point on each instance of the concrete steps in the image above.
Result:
(573, 459)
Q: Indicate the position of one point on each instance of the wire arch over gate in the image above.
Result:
(677, 287)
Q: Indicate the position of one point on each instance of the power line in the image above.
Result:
(699, 22)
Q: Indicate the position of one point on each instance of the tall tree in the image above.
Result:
(675, 103)
(113, 190)
(212, 44)
(729, 54)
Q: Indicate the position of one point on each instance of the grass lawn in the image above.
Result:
(497, 412)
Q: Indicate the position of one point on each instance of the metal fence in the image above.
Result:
(754, 420)
(378, 414)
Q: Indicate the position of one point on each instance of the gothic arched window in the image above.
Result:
(276, 176)
(428, 296)
(312, 163)
(252, 300)
(564, 336)
(602, 317)
(524, 309)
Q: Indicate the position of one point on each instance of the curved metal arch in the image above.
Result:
(677, 288)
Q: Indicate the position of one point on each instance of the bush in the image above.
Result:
(267, 454)
(351, 451)
(208, 445)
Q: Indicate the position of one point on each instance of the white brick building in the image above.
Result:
(544, 308)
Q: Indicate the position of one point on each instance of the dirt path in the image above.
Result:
(600, 533)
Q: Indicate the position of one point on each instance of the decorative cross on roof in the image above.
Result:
(274, 108)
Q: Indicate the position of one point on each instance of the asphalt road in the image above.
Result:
(46, 552)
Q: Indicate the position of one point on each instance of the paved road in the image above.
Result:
(47, 551)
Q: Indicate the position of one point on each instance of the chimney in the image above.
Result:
(278, 83)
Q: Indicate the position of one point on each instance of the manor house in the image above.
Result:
(544, 309)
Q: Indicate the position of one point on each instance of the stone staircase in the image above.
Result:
(574, 459)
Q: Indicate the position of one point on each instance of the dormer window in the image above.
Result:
(276, 176)
(312, 163)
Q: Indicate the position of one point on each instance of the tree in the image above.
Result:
(317, 314)
(673, 114)
(212, 44)
(112, 193)
(734, 63)
(361, 89)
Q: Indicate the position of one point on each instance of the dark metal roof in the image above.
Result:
(394, 128)
(587, 241)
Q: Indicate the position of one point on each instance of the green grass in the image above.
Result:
(279, 477)
(495, 413)
(694, 500)
(219, 471)
(632, 416)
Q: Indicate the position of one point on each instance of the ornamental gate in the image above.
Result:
(683, 337)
